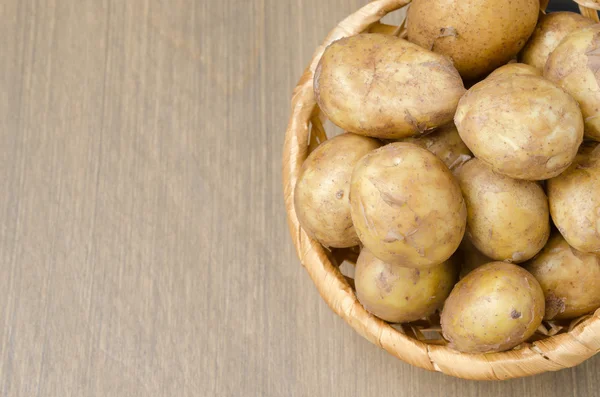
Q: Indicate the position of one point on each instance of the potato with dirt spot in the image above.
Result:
(494, 308)
(406, 206)
(514, 69)
(523, 126)
(478, 35)
(400, 294)
(569, 279)
(575, 200)
(321, 196)
(383, 86)
(507, 219)
(548, 34)
(446, 144)
(574, 66)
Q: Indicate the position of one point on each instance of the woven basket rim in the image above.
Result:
(550, 354)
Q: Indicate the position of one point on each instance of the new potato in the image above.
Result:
(406, 206)
(548, 34)
(400, 294)
(494, 308)
(507, 219)
(478, 35)
(574, 65)
(522, 125)
(446, 144)
(569, 279)
(574, 198)
(383, 86)
(321, 197)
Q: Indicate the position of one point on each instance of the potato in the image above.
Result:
(494, 308)
(321, 196)
(478, 35)
(573, 65)
(575, 201)
(507, 219)
(523, 126)
(446, 144)
(513, 69)
(400, 294)
(406, 206)
(569, 279)
(386, 87)
(550, 31)
(470, 258)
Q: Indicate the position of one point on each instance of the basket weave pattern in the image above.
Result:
(305, 131)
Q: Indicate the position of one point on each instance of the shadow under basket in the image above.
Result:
(554, 347)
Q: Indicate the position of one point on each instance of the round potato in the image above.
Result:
(507, 219)
(383, 86)
(574, 65)
(548, 34)
(494, 308)
(400, 294)
(478, 35)
(523, 126)
(321, 196)
(446, 144)
(575, 201)
(406, 206)
(569, 279)
(513, 69)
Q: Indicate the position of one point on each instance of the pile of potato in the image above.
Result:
(499, 184)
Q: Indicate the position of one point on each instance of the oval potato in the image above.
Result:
(400, 294)
(321, 196)
(494, 308)
(446, 144)
(478, 35)
(523, 126)
(569, 279)
(575, 201)
(406, 206)
(386, 87)
(507, 219)
(574, 65)
(548, 34)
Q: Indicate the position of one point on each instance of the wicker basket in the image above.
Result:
(557, 346)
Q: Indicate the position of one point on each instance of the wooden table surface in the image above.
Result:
(143, 240)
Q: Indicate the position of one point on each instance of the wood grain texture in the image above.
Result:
(143, 240)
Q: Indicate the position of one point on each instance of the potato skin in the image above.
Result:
(513, 69)
(478, 35)
(569, 279)
(575, 202)
(400, 294)
(321, 196)
(548, 34)
(383, 86)
(406, 206)
(573, 65)
(494, 308)
(523, 126)
(507, 219)
(446, 144)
